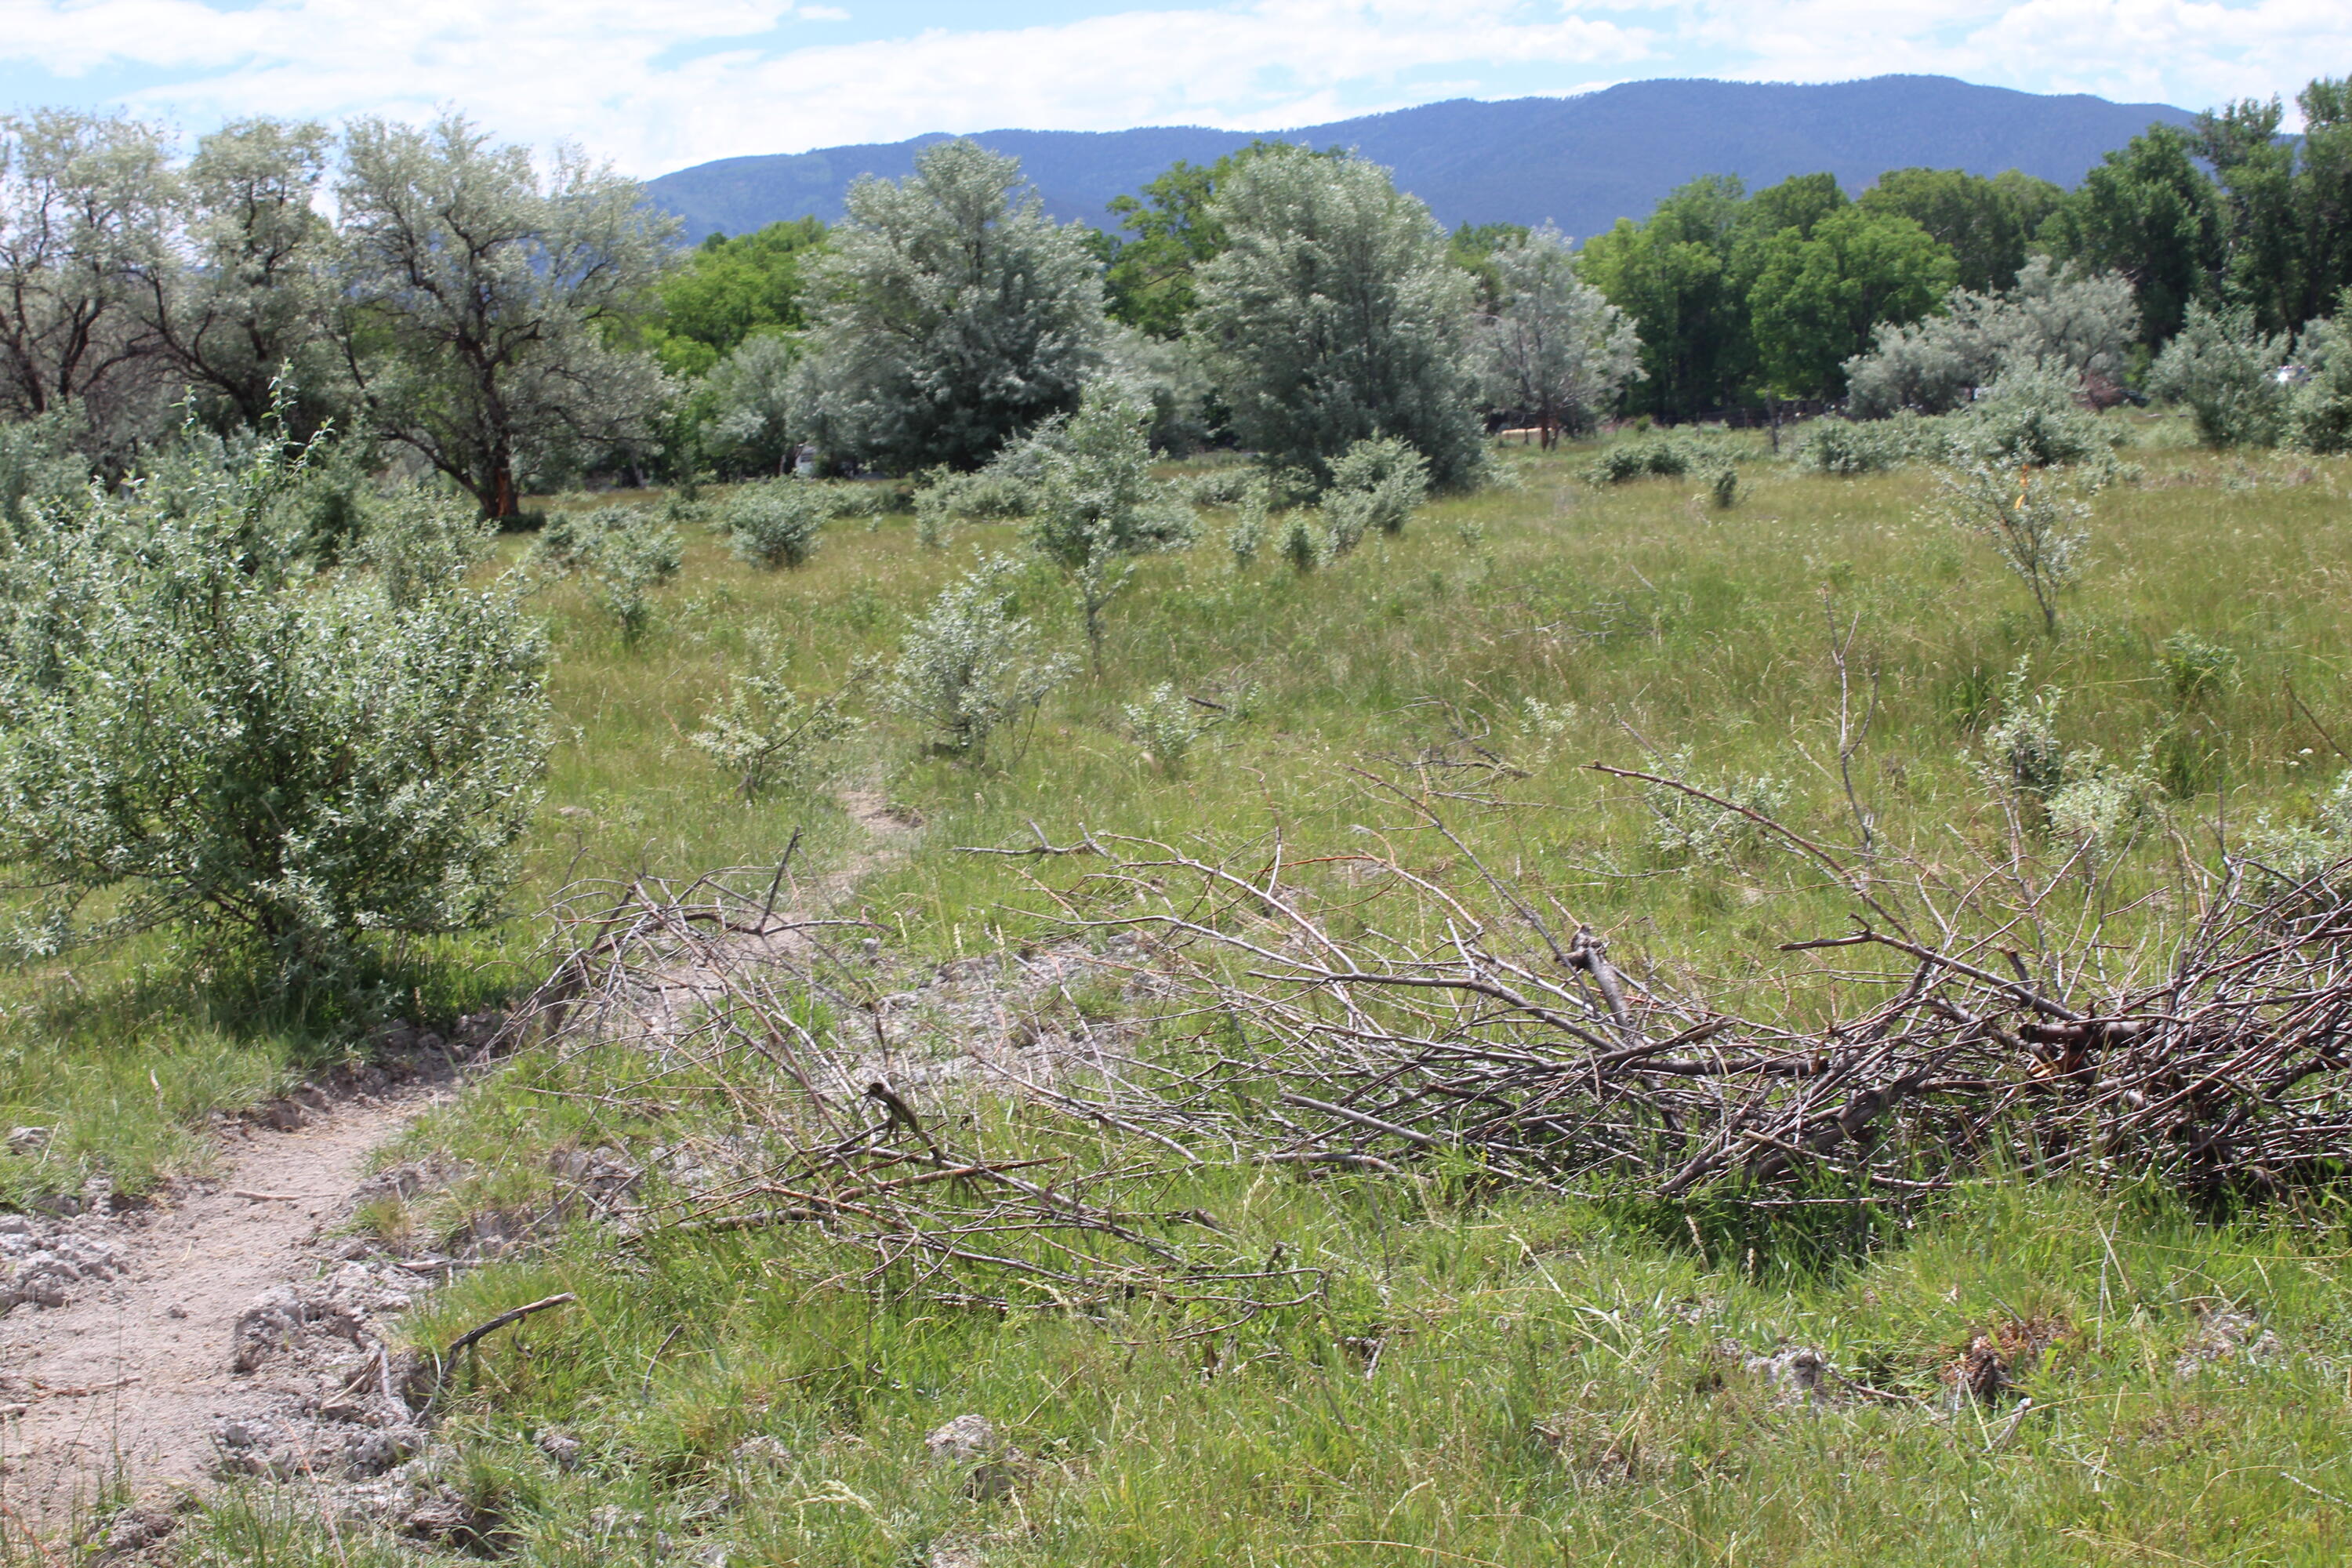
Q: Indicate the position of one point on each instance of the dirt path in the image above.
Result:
(132, 1377)
(130, 1384)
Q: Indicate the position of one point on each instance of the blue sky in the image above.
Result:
(656, 84)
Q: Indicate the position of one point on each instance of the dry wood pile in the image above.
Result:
(1416, 1021)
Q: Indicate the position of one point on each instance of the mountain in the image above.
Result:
(1582, 162)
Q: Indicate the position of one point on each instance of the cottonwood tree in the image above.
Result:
(478, 298)
(83, 199)
(1818, 294)
(956, 316)
(1554, 349)
(1676, 276)
(1335, 314)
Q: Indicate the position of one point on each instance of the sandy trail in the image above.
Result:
(132, 1378)
(125, 1388)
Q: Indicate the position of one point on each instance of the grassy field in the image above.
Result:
(1483, 1378)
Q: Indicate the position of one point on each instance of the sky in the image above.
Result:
(655, 85)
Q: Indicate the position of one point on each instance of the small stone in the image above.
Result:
(561, 1448)
(963, 1439)
(175, 1311)
(239, 1434)
(763, 1452)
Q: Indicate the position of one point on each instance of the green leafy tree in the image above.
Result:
(1988, 224)
(1674, 276)
(1335, 314)
(729, 290)
(1817, 298)
(958, 316)
(2260, 224)
(481, 302)
(2148, 212)
(197, 731)
(2323, 192)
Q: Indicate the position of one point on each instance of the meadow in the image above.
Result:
(1484, 1375)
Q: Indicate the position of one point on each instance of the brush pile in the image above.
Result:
(1411, 1021)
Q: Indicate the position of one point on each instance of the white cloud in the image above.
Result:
(654, 84)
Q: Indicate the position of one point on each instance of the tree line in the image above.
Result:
(514, 326)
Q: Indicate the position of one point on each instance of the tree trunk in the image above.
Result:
(502, 490)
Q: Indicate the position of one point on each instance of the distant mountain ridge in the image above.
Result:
(1582, 162)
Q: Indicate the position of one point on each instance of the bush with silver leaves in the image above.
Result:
(971, 666)
(309, 764)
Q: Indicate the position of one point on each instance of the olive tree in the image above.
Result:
(2062, 320)
(2225, 369)
(197, 731)
(1335, 314)
(957, 317)
(478, 299)
(1554, 350)
(83, 215)
(249, 296)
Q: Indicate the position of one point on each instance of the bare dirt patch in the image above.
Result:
(134, 1376)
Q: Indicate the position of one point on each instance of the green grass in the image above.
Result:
(1560, 1381)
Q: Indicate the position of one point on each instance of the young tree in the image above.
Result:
(83, 215)
(2225, 368)
(1335, 314)
(2035, 522)
(1816, 299)
(251, 296)
(1553, 349)
(1098, 507)
(478, 300)
(956, 316)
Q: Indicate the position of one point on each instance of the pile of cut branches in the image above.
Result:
(1471, 1024)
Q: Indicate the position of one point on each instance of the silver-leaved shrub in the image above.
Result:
(198, 730)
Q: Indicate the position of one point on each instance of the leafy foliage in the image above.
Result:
(1552, 348)
(196, 729)
(1334, 314)
(766, 733)
(623, 553)
(777, 524)
(2034, 521)
(971, 666)
(1098, 506)
(957, 317)
(2227, 373)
